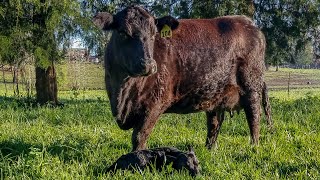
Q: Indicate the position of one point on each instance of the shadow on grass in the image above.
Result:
(15, 148)
(76, 101)
(16, 102)
(179, 145)
(241, 157)
(66, 151)
(119, 145)
(287, 169)
(30, 103)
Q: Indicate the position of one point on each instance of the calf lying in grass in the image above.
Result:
(158, 158)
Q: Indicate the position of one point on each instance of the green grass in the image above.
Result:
(79, 140)
(294, 94)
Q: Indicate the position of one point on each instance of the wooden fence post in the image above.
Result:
(289, 84)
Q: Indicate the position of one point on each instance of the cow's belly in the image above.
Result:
(226, 98)
(195, 103)
(192, 105)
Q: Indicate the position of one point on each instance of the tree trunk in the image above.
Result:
(46, 85)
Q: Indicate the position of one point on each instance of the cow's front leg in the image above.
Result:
(214, 122)
(252, 110)
(142, 131)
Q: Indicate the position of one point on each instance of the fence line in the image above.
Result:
(72, 75)
(297, 66)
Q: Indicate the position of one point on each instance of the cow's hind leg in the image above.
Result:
(266, 105)
(214, 122)
(252, 108)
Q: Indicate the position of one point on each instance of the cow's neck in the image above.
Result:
(126, 95)
(139, 94)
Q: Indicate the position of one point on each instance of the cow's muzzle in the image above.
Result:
(148, 67)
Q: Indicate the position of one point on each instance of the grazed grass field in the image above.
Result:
(79, 140)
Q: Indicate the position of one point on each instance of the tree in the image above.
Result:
(286, 25)
(15, 43)
(305, 55)
(215, 8)
(316, 45)
(43, 29)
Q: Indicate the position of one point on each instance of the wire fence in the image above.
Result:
(87, 75)
(71, 75)
(300, 66)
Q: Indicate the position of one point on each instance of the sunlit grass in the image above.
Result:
(294, 94)
(79, 140)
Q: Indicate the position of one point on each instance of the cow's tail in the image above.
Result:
(266, 105)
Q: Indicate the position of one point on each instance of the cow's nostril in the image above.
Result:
(143, 64)
(149, 66)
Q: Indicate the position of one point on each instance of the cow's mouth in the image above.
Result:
(151, 69)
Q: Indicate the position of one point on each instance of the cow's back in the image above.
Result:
(205, 56)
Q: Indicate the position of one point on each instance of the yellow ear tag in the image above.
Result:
(165, 31)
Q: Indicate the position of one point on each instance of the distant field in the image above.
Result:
(299, 78)
(81, 139)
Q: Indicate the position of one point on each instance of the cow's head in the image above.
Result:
(134, 31)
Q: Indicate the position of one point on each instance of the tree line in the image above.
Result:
(43, 30)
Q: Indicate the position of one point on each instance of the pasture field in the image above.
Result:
(81, 139)
(297, 78)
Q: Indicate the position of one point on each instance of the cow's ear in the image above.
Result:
(172, 22)
(104, 21)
